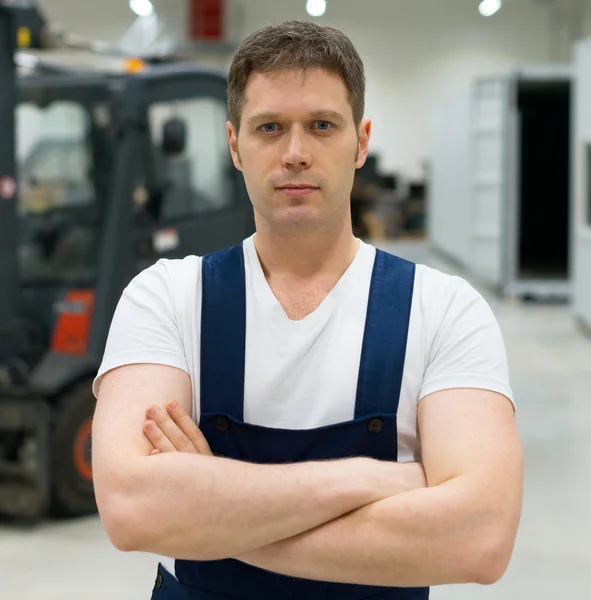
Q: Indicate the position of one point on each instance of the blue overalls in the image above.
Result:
(372, 433)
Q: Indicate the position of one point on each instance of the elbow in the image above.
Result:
(492, 568)
(120, 498)
(121, 520)
(492, 560)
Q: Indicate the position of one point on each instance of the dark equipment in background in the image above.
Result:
(89, 213)
(381, 207)
(416, 209)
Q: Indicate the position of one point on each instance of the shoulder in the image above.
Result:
(167, 277)
(435, 293)
(450, 312)
(433, 279)
(176, 270)
(438, 293)
(463, 342)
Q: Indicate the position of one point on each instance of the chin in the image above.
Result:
(297, 218)
(297, 215)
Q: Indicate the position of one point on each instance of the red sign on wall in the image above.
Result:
(206, 19)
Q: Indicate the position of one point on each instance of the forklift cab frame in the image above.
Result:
(49, 462)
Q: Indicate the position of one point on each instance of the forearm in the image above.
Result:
(204, 508)
(435, 536)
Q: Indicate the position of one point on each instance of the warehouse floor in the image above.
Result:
(551, 374)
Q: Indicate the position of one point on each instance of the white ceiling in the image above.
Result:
(109, 19)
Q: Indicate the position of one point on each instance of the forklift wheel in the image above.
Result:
(73, 491)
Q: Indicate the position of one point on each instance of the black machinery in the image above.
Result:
(109, 185)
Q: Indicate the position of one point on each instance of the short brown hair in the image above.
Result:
(297, 45)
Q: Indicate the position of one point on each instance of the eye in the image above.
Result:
(323, 125)
(268, 128)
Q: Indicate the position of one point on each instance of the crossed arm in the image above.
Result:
(351, 521)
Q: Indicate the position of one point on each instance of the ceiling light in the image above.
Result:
(142, 8)
(488, 8)
(316, 8)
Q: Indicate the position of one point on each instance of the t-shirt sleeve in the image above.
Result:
(144, 328)
(468, 350)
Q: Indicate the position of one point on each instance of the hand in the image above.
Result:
(173, 430)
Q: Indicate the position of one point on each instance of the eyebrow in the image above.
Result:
(266, 117)
(329, 115)
(263, 117)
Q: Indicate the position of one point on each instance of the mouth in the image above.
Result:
(297, 190)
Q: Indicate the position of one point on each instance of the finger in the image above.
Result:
(188, 427)
(157, 437)
(155, 452)
(171, 430)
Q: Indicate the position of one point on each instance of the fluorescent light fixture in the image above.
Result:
(142, 8)
(316, 8)
(488, 8)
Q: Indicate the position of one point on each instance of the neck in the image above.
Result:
(306, 254)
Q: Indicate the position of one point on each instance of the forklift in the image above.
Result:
(101, 175)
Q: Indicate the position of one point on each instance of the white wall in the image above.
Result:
(587, 20)
(417, 52)
(581, 218)
(106, 20)
(449, 194)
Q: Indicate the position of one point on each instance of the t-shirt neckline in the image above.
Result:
(267, 297)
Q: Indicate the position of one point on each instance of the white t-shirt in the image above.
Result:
(303, 374)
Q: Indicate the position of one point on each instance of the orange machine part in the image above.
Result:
(72, 328)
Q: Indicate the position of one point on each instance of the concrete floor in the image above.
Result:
(551, 374)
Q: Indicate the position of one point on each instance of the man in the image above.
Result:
(356, 425)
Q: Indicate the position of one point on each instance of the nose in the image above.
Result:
(297, 155)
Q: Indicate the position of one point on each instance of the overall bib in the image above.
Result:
(372, 433)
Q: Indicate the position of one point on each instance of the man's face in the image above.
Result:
(298, 148)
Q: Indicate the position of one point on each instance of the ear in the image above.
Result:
(233, 140)
(364, 136)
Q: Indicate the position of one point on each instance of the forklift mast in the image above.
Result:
(21, 25)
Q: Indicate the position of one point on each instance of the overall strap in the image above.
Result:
(386, 335)
(223, 333)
